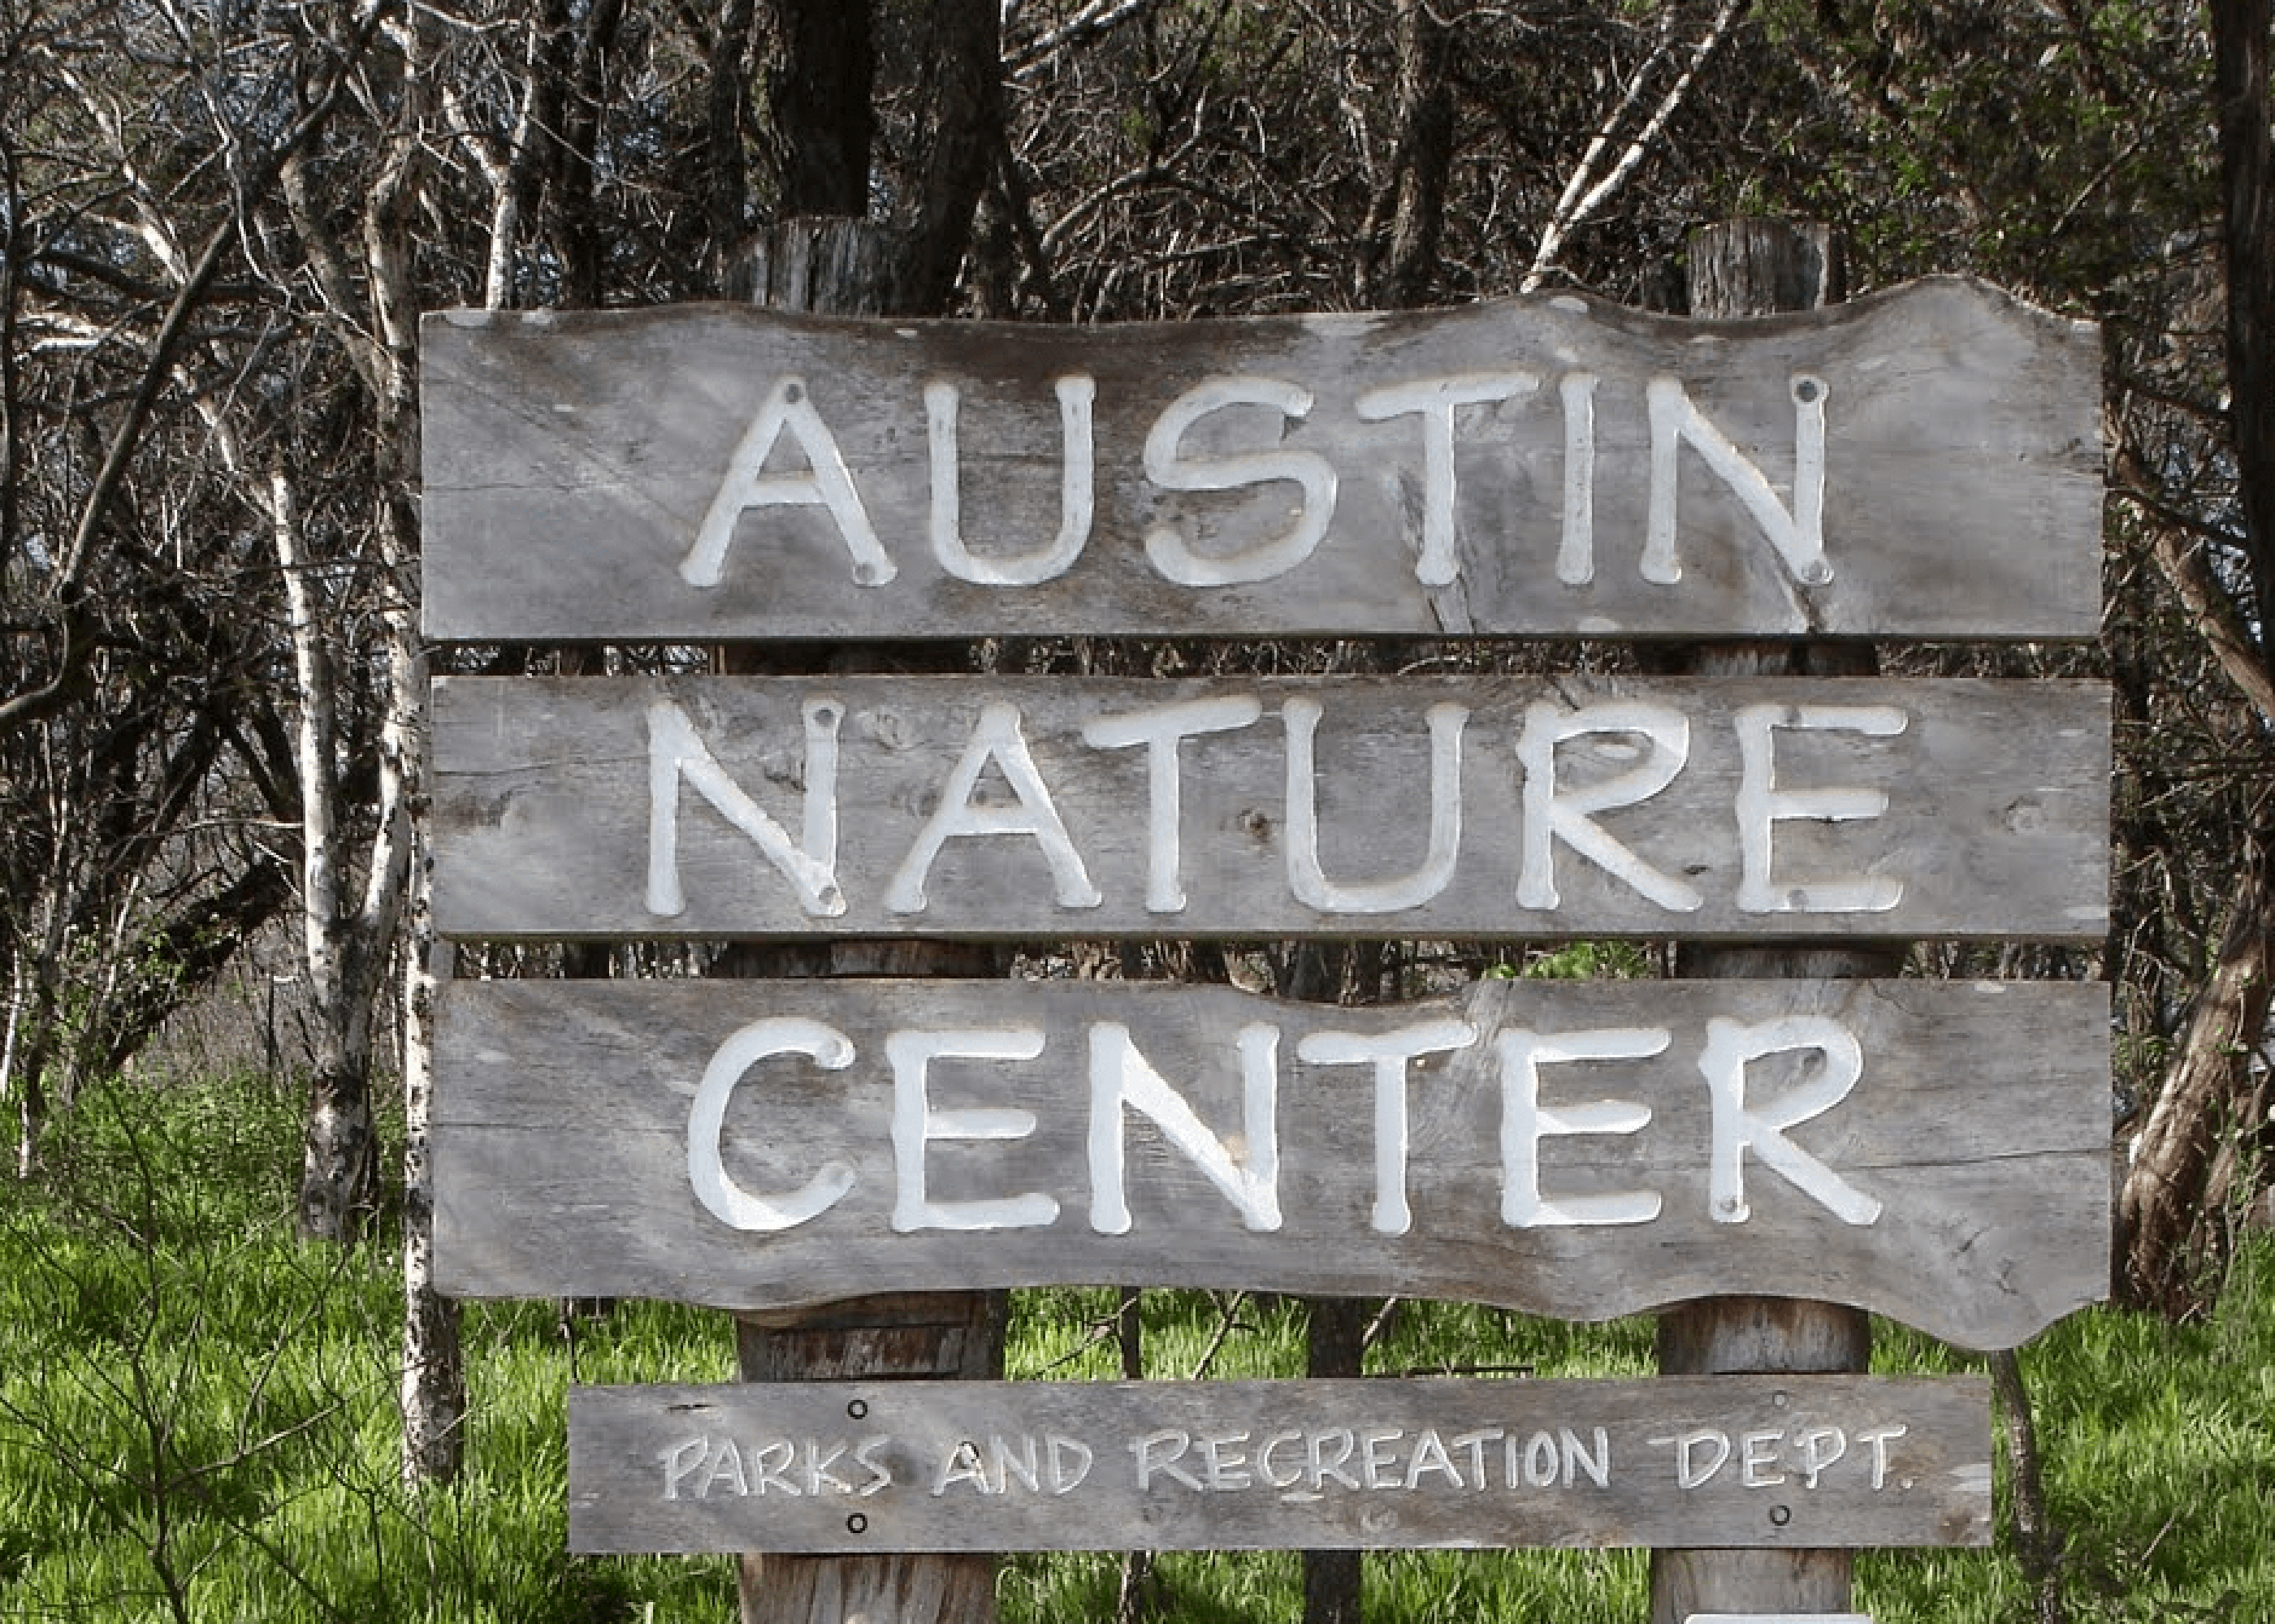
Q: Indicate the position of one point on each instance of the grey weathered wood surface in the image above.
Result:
(571, 459)
(1978, 1122)
(1754, 268)
(722, 1469)
(1996, 821)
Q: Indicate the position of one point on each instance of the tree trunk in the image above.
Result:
(846, 266)
(2167, 1229)
(1334, 1345)
(1751, 268)
(1422, 158)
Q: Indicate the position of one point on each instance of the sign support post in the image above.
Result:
(1752, 268)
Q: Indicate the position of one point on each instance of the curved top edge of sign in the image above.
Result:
(1592, 307)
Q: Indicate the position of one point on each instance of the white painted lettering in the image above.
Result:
(681, 1462)
(1739, 1127)
(1076, 494)
(1224, 1461)
(707, 1117)
(773, 1462)
(1380, 1469)
(1579, 1458)
(1020, 1460)
(880, 1475)
(1430, 1457)
(1475, 1444)
(1391, 1053)
(964, 1464)
(1688, 1473)
(1435, 401)
(1319, 1467)
(917, 1124)
(1575, 550)
(675, 751)
(1797, 533)
(1879, 1438)
(1172, 555)
(1246, 1171)
(997, 739)
(726, 1465)
(1070, 1460)
(827, 483)
(1761, 804)
(1551, 814)
(1820, 1448)
(1306, 877)
(1524, 1123)
(1757, 1459)
(1265, 1469)
(1159, 1452)
(1161, 730)
(1540, 1459)
(818, 1464)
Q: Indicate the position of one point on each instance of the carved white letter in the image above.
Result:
(1435, 399)
(1731, 1046)
(1761, 804)
(916, 1124)
(827, 483)
(997, 738)
(707, 1119)
(675, 750)
(1161, 729)
(1575, 554)
(1309, 881)
(1798, 535)
(1390, 1053)
(1524, 1123)
(1121, 1078)
(1168, 548)
(1077, 501)
(1550, 816)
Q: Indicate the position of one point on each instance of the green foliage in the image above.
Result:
(197, 1421)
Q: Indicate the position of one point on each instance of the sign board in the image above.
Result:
(1936, 1151)
(1921, 463)
(1792, 1462)
(1419, 807)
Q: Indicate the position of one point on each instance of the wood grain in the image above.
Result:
(1995, 822)
(1977, 1123)
(1256, 1465)
(571, 458)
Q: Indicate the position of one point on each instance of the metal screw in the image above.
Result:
(858, 1409)
(856, 1524)
(1780, 1515)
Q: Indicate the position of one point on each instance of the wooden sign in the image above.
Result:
(1541, 808)
(1791, 1462)
(1936, 1151)
(1921, 463)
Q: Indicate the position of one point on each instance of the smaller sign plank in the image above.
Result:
(1432, 807)
(1922, 462)
(1774, 1462)
(1935, 1152)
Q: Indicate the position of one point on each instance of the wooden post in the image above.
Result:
(1741, 269)
(848, 267)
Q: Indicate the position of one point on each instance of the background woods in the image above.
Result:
(219, 223)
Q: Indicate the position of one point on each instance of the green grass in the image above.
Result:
(197, 1421)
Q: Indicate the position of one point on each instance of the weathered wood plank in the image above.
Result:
(675, 1140)
(972, 807)
(641, 476)
(1771, 1462)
